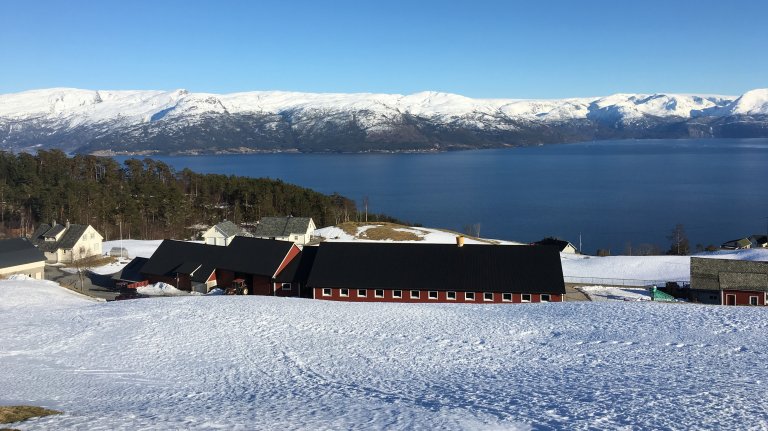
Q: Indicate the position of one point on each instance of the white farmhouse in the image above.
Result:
(295, 229)
(68, 242)
(223, 233)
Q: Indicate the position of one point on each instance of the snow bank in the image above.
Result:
(22, 292)
(608, 293)
(754, 254)
(625, 270)
(161, 289)
(234, 362)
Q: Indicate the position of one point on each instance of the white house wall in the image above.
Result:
(34, 270)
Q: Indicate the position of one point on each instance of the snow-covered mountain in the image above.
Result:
(178, 121)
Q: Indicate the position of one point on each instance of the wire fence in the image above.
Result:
(620, 281)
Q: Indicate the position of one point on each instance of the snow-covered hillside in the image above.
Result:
(179, 121)
(416, 234)
(92, 106)
(270, 363)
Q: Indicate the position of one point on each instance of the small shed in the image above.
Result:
(119, 252)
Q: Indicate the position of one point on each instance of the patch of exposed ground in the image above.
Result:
(11, 414)
(380, 231)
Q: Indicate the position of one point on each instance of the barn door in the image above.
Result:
(730, 299)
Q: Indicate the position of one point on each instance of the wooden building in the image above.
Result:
(729, 282)
(436, 273)
(201, 267)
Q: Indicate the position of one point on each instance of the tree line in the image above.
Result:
(147, 199)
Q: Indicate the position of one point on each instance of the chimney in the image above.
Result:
(53, 222)
(67, 224)
(460, 241)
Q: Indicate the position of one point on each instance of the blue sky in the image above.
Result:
(511, 49)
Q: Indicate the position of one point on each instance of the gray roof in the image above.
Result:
(52, 232)
(728, 274)
(273, 227)
(228, 228)
(18, 251)
(67, 241)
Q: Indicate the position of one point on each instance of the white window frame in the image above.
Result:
(342, 294)
(485, 296)
(429, 295)
(757, 300)
(522, 297)
(364, 293)
(415, 294)
(467, 298)
(376, 293)
(282, 286)
(397, 294)
(504, 297)
(547, 295)
(327, 291)
(448, 295)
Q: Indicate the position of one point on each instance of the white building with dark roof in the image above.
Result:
(19, 256)
(295, 229)
(223, 233)
(68, 242)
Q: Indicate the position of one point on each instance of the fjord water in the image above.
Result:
(612, 193)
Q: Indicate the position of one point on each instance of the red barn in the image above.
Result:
(200, 267)
(437, 273)
(729, 282)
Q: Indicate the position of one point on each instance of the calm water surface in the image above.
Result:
(612, 192)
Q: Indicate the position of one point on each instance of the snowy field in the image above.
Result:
(241, 363)
(641, 269)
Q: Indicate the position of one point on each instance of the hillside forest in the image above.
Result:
(147, 199)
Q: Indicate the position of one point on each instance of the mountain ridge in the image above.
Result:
(182, 122)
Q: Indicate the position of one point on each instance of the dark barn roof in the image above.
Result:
(245, 255)
(560, 244)
(297, 271)
(525, 269)
(19, 251)
(132, 271)
(255, 256)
